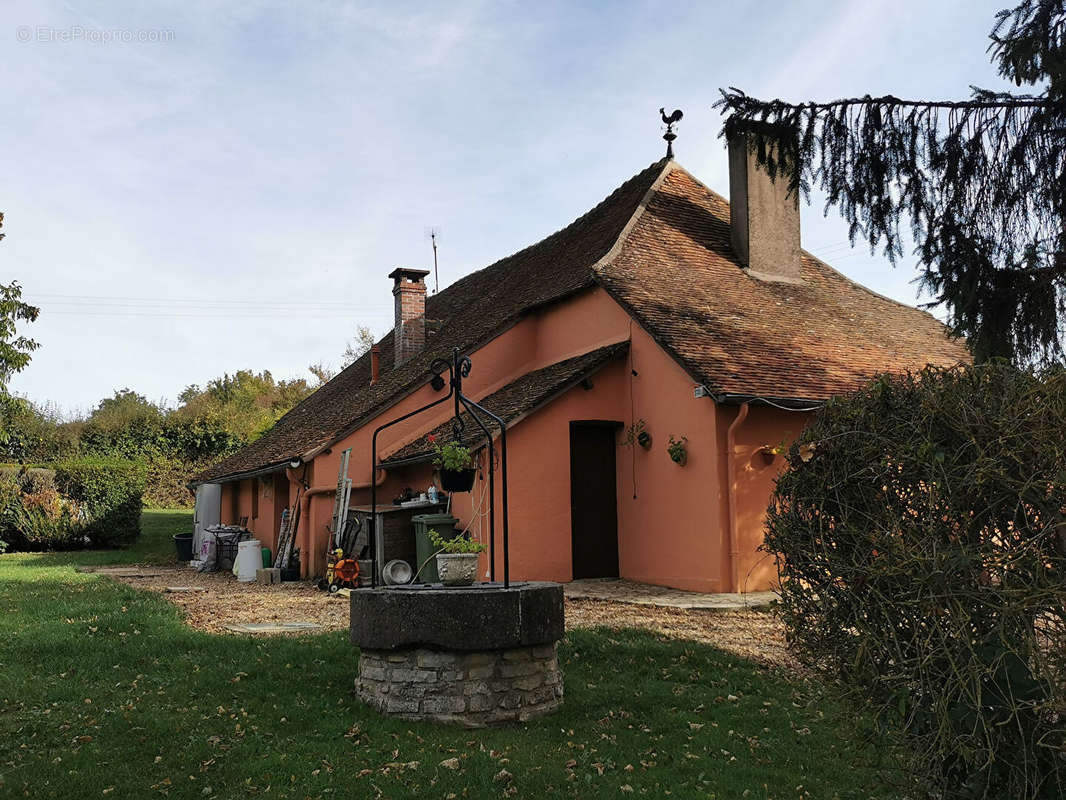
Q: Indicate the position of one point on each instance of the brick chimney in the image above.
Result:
(409, 289)
(764, 217)
(375, 364)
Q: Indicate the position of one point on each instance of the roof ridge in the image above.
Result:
(665, 166)
(669, 165)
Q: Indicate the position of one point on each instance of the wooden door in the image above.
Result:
(593, 499)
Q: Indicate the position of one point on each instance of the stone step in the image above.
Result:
(272, 627)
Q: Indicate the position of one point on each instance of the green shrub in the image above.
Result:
(35, 515)
(111, 493)
(920, 534)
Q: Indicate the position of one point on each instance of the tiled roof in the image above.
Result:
(669, 263)
(515, 400)
(677, 275)
(468, 312)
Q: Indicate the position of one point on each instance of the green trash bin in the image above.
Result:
(444, 524)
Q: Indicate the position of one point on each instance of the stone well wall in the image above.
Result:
(467, 688)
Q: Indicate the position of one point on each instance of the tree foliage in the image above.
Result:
(920, 536)
(169, 444)
(15, 350)
(981, 182)
(244, 404)
(355, 348)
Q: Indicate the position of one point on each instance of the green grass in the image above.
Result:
(105, 693)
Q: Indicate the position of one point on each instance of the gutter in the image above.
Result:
(428, 455)
(238, 476)
(785, 403)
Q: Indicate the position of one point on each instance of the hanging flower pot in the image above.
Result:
(636, 434)
(457, 480)
(678, 450)
(769, 454)
(456, 465)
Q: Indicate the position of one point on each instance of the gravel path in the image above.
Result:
(756, 635)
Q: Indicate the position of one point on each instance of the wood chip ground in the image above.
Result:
(755, 635)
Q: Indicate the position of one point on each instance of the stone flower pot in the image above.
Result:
(457, 569)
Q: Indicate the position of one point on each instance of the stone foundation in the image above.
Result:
(474, 689)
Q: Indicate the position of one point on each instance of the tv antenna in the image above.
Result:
(434, 235)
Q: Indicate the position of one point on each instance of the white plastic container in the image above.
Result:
(249, 560)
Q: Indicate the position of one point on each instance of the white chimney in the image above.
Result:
(764, 217)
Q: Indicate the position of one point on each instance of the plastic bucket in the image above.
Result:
(183, 544)
(249, 560)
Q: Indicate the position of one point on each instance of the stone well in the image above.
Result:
(477, 655)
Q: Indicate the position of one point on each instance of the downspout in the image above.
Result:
(305, 507)
(731, 500)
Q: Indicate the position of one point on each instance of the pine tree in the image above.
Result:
(982, 183)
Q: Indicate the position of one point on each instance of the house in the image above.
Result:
(664, 307)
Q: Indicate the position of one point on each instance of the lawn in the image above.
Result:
(105, 693)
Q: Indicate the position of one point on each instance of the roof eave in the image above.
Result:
(578, 379)
(229, 477)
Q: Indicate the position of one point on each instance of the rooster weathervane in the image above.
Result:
(669, 136)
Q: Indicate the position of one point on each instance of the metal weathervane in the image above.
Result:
(670, 121)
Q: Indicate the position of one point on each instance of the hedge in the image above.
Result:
(111, 492)
(70, 504)
(920, 533)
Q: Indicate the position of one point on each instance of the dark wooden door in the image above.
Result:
(593, 500)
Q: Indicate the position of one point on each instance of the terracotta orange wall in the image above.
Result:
(673, 532)
(226, 505)
(669, 533)
(755, 475)
(262, 525)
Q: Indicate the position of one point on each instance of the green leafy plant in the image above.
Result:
(678, 450)
(459, 544)
(35, 515)
(636, 434)
(451, 455)
(15, 350)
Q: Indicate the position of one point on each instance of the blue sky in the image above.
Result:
(232, 191)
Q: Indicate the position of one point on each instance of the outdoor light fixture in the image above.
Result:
(295, 463)
(701, 391)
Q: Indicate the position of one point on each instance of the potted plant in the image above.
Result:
(456, 558)
(770, 452)
(677, 450)
(456, 465)
(636, 434)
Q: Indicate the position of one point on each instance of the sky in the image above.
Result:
(192, 188)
